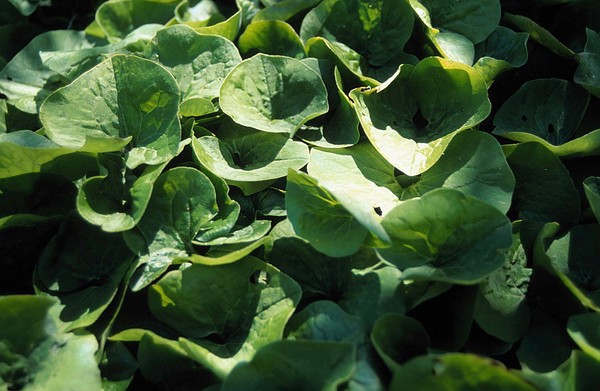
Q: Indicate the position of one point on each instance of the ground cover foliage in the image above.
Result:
(311, 195)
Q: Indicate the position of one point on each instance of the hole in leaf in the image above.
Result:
(9, 78)
(550, 128)
(378, 211)
(260, 277)
(524, 117)
(419, 120)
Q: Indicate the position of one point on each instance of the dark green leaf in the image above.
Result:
(316, 365)
(446, 236)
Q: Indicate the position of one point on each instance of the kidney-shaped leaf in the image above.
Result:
(198, 62)
(474, 164)
(117, 18)
(359, 171)
(454, 26)
(242, 154)
(411, 118)
(377, 30)
(230, 310)
(315, 365)
(124, 102)
(475, 19)
(546, 191)
(546, 109)
(335, 223)
(446, 236)
(273, 93)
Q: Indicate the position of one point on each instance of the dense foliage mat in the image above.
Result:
(299, 194)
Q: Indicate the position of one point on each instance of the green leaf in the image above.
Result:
(26, 7)
(502, 51)
(398, 338)
(136, 105)
(271, 37)
(544, 109)
(501, 308)
(228, 214)
(35, 357)
(229, 28)
(571, 258)
(539, 34)
(585, 331)
(324, 320)
(588, 71)
(82, 266)
(198, 13)
(25, 80)
(591, 186)
(457, 371)
(284, 10)
(359, 171)
(242, 155)
(273, 93)
(223, 255)
(411, 118)
(24, 152)
(476, 20)
(117, 18)
(334, 223)
(367, 293)
(117, 367)
(454, 27)
(164, 363)
(474, 164)
(182, 201)
(446, 236)
(545, 190)
(116, 201)
(3, 114)
(579, 372)
(352, 65)
(256, 230)
(198, 62)
(242, 307)
(378, 30)
(70, 64)
(583, 146)
(544, 330)
(317, 365)
(337, 129)
(371, 294)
